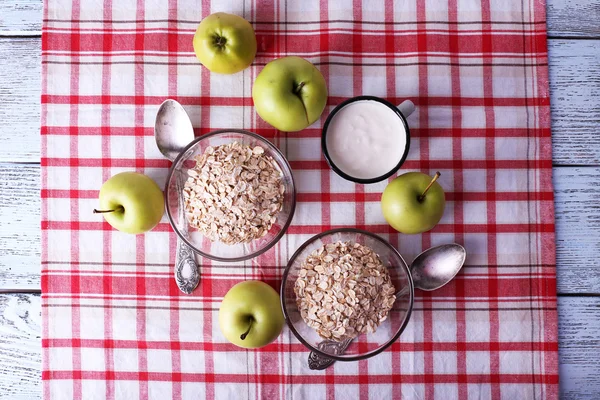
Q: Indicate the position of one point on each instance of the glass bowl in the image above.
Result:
(365, 345)
(178, 174)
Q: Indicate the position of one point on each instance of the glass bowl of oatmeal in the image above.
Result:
(347, 285)
(230, 195)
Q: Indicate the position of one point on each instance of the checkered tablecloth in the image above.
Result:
(115, 326)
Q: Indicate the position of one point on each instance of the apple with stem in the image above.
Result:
(131, 202)
(225, 43)
(413, 202)
(290, 93)
(250, 315)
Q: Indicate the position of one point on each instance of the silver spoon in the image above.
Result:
(173, 131)
(430, 270)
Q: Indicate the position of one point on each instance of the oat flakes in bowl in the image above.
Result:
(366, 344)
(247, 237)
(343, 290)
(234, 193)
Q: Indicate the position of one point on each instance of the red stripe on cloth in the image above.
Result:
(493, 286)
(415, 346)
(140, 246)
(546, 249)
(105, 131)
(159, 286)
(325, 172)
(314, 229)
(358, 42)
(450, 196)
(420, 100)
(271, 133)
(268, 363)
(308, 165)
(429, 381)
(543, 197)
(373, 57)
(44, 216)
(535, 288)
(269, 29)
(74, 226)
(280, 255)
(391, 44)
(274, 43)
(326, 210)
(547, 241)
(247, 101)
(424, 165)
(454, 46)
(206, 287)
(176, 390)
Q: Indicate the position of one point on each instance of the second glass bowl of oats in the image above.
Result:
(230, 195)
(347, 284)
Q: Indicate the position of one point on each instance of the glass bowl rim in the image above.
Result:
(284, 281)
(285, 226)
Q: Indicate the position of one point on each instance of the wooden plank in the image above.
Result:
(577, 207)
(574, 83)
(20, 346)
(576, 18)
(20, 71)
(577, 195)
(579, 346)
(20, 327)
(21, 16)
(575, 104)
(20, 222)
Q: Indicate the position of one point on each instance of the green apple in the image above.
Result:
(250, 315)
(290, 93)
(413, 202)
(225, 43)
(131, 202)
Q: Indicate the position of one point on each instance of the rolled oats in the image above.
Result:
(343, 290)
(234, 193)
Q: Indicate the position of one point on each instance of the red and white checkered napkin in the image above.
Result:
(115, 324)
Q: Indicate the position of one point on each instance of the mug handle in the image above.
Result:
(406, 108)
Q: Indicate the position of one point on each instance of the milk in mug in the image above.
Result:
(366, 139)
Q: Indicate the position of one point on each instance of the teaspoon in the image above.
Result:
(430, 270)
(173, 131)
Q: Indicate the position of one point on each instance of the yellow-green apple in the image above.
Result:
(290, 93)
(250, 315)
(131, 202)
(225, 43)
(413, 202)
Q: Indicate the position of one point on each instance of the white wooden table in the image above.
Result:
(574, 48)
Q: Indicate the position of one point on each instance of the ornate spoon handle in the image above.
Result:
(316, 361)
(184, 258)
(319, 362)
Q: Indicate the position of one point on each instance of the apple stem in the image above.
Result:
(220, 41)
(118, 209)
(243, 335)
(435, 178)
(299, 87)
